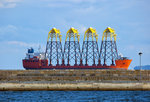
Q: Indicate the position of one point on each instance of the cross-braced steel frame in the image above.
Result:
(90, 53)
(90, 50)
(54, 48)
(72, 53)
(54, 53)
(108, 52)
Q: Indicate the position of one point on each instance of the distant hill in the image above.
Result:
(146, 67)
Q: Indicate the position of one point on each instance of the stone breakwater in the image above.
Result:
(74, 80)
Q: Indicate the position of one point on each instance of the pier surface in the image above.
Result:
(74, 80)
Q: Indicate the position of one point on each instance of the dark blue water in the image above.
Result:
(75, 96)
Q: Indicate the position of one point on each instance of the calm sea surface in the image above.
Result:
(75, 96)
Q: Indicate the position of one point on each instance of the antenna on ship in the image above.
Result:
(39, 49)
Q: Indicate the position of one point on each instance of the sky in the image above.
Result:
(26, 23)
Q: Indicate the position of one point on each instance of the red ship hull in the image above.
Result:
(43, 64)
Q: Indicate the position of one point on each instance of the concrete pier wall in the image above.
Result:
(74, 80)
(75, 86)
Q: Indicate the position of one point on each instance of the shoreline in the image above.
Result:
(74, 87)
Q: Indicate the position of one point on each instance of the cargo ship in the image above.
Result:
(72, 57)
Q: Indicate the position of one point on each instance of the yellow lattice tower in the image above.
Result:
(109, 32)
(72, 47)
(54, 47)
(90, 52)
(90, 33)
(54, 34)
(72, 33)
(108, 51)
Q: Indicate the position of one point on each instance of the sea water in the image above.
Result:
(75, 96)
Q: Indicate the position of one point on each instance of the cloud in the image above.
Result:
(82, 29)
(9, 3)
(16, 46)
(137, 48)
(58, 5)
(8, 30)
(87, 10)
(73, 1)
(22, 44)
(79, 26)
(68, 3)
(13, 1)
(82, 1)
